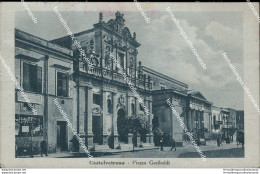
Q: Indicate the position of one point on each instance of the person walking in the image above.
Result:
(218, 141)
(43, 147)
(75, 144)
(173, 145)
(161, 144)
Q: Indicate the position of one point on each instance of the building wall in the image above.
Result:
(240, 120)
(216, 112)
(232, 117)
(66, 103)
(161, 81)
(48, 56)
(168, 121)
(25, 143)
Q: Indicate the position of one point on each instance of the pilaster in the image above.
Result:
(104, 117)
(114, 120)
(89, 103)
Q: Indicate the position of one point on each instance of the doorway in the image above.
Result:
(121, 126)
(97, 129)
(62, 144)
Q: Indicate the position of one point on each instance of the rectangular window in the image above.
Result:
(97, 99)
(62, 84)
(32, 78)
(122, 62)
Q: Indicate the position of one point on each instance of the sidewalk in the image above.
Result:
(105, 151)
(97, 152)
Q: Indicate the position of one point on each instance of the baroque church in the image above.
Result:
(98, 100)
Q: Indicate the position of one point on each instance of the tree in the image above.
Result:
(138, 124)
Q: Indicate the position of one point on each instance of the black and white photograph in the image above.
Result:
(133, 84)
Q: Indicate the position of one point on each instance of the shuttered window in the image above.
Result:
(62, 84)
(32, 78)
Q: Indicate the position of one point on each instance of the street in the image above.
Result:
(227, 151)
(210, 151)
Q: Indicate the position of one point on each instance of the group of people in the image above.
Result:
(173, 144)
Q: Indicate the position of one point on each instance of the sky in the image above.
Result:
(164, 49)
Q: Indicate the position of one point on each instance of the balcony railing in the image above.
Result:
(114, 75)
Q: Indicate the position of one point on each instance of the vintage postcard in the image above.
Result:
(130, 85)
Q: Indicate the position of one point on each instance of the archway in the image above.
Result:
(121, 126)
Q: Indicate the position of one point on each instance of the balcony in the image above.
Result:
(116, 76)
(93, 71)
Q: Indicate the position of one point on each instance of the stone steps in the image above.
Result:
(123, 146)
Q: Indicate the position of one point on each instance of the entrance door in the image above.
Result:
(62, 136)
(97, 129)
(121, 126)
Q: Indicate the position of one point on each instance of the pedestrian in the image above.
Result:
(161, 143)
(218, 141)
(75, 144)
(110, 141)
(173, 145)
(43, 147)
(242, 142)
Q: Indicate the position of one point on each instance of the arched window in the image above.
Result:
(133, 109)
(109, 106)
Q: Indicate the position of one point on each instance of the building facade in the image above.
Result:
(43, 70)
(164, 88)
(98, 100)
(240, 120)
(217, 120)
(104, 97)
(193, 108)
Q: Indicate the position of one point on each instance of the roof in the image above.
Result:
(19, 34)
(164, 76)
(197, 94)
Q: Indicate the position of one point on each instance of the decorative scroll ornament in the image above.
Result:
(121, 101)
(96, 109)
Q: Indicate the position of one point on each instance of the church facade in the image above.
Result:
(97, 100)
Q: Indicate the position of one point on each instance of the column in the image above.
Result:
(104, 117)
(114, 120)
(82, 110)
(146, 104)
(189, 120)
(128, 105)
(151, 121)
(89, 102)
(130, 138)
(136, 106)
(199, 119)
(192, 120)
(202, 119)
(81, 116)
(138, 139)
